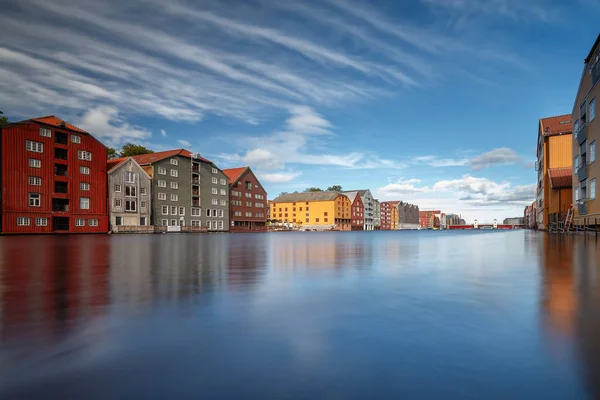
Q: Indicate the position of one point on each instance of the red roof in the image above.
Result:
(234, 173)
(561, 178)
(556, 125)
(145, 159)
(57, 122)
(110, 164)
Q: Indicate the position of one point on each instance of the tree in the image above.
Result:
(130, 150)
(313, 189)
(112, 153)
(3, 121)
(283, 193)
(335, 188)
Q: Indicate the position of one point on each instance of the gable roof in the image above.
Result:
(119, 162)
(307, 196)
(57, 123)
(145, 159)
(557, 125)
(234, 173)
(561, 178)
(110, 164)
(351, 195)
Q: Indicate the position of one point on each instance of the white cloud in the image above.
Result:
(184, 143)
(498, 156)
(279, 177)
(163, 133)
(305, 120)
(106, 124)
(401, 188)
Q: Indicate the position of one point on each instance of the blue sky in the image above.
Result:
(435, 102)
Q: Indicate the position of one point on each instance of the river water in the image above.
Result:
(300, 315)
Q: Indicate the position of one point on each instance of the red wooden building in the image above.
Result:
(385, 215)
(358, 211)
(247, 201)
(53, 178)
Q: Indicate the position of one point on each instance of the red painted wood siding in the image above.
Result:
(358, 214)
(16, 173)
(240, 186)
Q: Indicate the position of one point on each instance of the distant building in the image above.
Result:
(452, 219)
(313, 211)
(555, 169)
(394, 215)
(376, 215)
(386, 216)
(129, 194)
(358, 221)
(513, 221)
(586, 130)
(247, 202)
(430, 219)
(408, 216)
(53, 178)
(369, 206)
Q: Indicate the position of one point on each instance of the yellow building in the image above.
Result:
(555, 170)
(394, 215)
(312, 210)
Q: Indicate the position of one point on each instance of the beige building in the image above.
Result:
(586, 131)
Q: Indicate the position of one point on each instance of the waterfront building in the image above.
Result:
(369, 207)
(452, 219)
(376, 215)
(313, 211)
(268, 212)
(53, 178)
(513, 221)
(408, 216)
(247, 201)
(187, 190)
(385, 215)
(394, 215)
(533, 215)
(430, 219)
(129, 194)
(358, 210)
(587, 132)
(555, 166)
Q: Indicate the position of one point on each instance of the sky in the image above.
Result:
(433, 102)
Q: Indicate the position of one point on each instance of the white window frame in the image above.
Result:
(208, 212)
(592, 151)
(174, 197)
(41, 221)
(35, 200)
(215, 191)
(128, 175)
(92, 222)
(79, 222)
(215, 181)
(162, 183)
(35, 147)
(174, 185)
(173, 210)
(214, 213)
(592, 189)
(196, 223)
(165, 210)
(84, 155)
(46, 132)
(165, 222)
(84, 170)
(35, 181)
(118, 203)
(174, 173)
(215, 202)
(196, 212)
(223, 182)
(143, 191)
(35, 163)
(23, 221)
(118, 188)
(173, 222)
(174, 161)
(221, 213)
(592, 109)
(215, 171)
(75, 139)
(181, 211)
(576, 194)
(85, 186)
(143, 204)
(221, 225)
(162, 171)
(223, 202)
(131, 202)
(132, 191)
(223, 192)
(162, 196)
(84, 203)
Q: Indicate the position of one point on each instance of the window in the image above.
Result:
(248, 204)
(215, 191)
(35, 163)
(208, 212)
(208, 225)
(174, 197)
(576, 163)
(118, 188)
(223, 182)
(592, 151)
(162, 196)
(75, 139)
(317, 220)
(130, 205)
(84, 170)
(593, 189)
(181, 210)
(325, 219)
(196, 212)
(143, 221)
(223, 192)
(84, 186)
(118, 203)
(35, 181)
(143, 204)
(130, 191)
(261, 205)
(84, 155)
(162, 183)
(129, 177)
(221, 225)
(80, 222)
(35, 199)
(84, 203)
(173, 222)
(325, 213)
(576, 193)
(214, 213)
(23, 221)
(173, 210)
(41, 222)
(221, 213)
(165, 210)
(174, 161)
(215, 180)
(174, 173)
(36, 147)
(143, 191)
(164, 222)
(162, 171)
(237, 213)
(93, 222)
(248, 214)
(45, 132)
(249, 195)
(215, 202)
(175, 185)
(592, 109)
(223, 202)
(214, 171)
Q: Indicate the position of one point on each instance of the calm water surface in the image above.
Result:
(300, 315)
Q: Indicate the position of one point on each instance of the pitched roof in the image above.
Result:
(351, 195)
(307, 196)
(234, 173)
(561, 178)
(57, 123)
(596, 44)
(557, 125)
(110, 164)
(393, 202)
(145, 159)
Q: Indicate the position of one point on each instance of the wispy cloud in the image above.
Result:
(514, 9)
(110, 127)
(279, 177)
(163, 133)
(184, 143)
(499, 156)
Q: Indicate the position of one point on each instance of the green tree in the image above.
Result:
(335, 188)
(3, 121)
(313, 189)
(283, 193)
(112, 153)
(130, 150)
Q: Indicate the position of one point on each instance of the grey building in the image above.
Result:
(376, 215)
(129, 194)
(369, 204)
(408, 216)
(184, 192)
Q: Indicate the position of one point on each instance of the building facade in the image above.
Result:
(129, 194)
(430, 219)
(408, 216)
(586, 133)
(247, 201)
(394, 215)
(386, 215)
(53, 178)
(358, 211)
(369, 207)
(554, 165)
(312, 211)
(376, 215)
(513, 221)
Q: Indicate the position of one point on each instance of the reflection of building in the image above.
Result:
(313, 210)
(248, 200)
(587, 130)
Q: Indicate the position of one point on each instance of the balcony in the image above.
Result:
(582, 171)
(195, 192)
(195, 181)
(582, 133)
(61, 187)
(582, 207)
(61, 154)
(61, 138)
(60, 205)
(195, 202)
(60, 170)
(195, 168)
